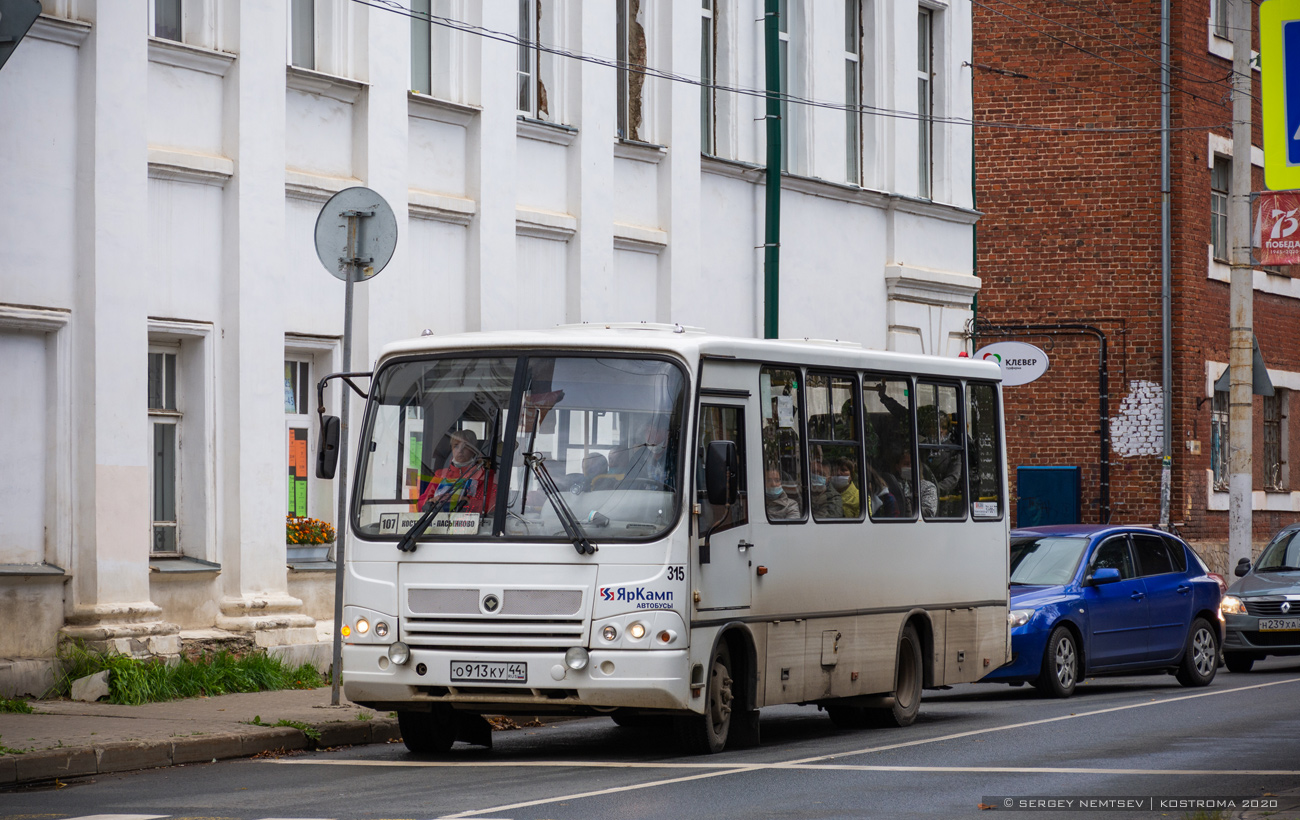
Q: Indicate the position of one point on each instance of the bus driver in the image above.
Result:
(463, 484)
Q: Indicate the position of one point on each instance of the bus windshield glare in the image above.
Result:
(477, 441)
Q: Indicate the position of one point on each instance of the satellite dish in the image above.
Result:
(366, 213)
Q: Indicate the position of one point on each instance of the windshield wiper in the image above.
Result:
(407, 541)
(567, 519)
(1283, 568)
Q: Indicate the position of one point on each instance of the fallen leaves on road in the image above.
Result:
(501, 723)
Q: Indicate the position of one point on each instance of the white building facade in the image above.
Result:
(164, 318)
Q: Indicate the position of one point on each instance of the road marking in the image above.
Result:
(805, 764)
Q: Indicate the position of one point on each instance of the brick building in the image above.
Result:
(1069, 252)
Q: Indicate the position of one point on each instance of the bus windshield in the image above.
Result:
(483, 443)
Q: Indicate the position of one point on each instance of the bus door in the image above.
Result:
(721, 570)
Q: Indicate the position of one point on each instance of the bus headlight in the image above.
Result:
(399, 653)
(381, 629)
(363, 626)
(576, 658)
(636, 631)
(610, 632)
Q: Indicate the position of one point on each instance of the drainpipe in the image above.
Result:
(772, 230)
(1166, 287)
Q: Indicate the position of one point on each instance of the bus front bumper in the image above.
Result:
(637, 679)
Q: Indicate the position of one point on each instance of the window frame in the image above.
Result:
(914, 501)
(301, 46)
(168, 417)
(701, 492)
(855, 390)
(1275, 412)
(1220, 440)
(853, 62)
(300, 421)
(709, 77)
(1220, 172)
(959, 425)
(180, 6)
(925, 101)
(800, 427)
(1128, 547)
(972, 443)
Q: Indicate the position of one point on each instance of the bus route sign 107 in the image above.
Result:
(1021, 362)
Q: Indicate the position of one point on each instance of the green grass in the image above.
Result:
(306, 729)
(15, 706)
(132, 681)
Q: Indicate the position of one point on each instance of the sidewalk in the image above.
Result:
(68, 739)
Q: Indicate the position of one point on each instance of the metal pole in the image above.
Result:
(1240, 398)
(1166, 279)
(772, 231)
(341, 515)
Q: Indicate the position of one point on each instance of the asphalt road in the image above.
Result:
(1134, 737)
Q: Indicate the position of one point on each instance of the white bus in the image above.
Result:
(658, 524)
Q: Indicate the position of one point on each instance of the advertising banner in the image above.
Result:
(1275, 239)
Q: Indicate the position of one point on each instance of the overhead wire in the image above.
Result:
(395, 7)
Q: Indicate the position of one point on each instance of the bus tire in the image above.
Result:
(708, 733)
(908, 679)
(430, 732)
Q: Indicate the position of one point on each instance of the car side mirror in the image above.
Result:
(722, 473)
(327, 448)
(1105, 575)
(1243, 567)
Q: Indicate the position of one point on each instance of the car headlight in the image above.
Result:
(1232, 605)
(1020, 617)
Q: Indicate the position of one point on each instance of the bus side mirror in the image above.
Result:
(722, 473)
(327, 450)
(1243, 567)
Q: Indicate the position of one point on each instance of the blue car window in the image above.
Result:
(1152, 554)
(1114, 554)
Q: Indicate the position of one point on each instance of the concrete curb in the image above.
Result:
(125, 756)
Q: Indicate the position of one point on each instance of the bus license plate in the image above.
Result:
(490, 672)
(1278, 624)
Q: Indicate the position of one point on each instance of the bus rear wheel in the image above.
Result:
(708, 733)
(908, 679)
(430, 732)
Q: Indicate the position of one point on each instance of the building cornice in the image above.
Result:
(180, 55)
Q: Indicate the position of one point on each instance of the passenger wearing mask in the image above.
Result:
(780, 506)
(842, 482)
(826, 500)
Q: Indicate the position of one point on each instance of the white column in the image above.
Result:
(111, 534)
(491, 172)
(250, 379)
(591, 174)
(687, 291)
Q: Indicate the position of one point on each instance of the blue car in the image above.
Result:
(1103, 600)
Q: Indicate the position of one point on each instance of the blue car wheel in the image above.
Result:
(1201, 657)
(1060, 670)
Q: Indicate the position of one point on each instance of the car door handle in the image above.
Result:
(743, 545)
(1137, 596)
(1183, 589)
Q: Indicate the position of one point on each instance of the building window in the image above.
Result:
(435, 49)
(1275, 412)
(297, 392)
(1219, 18)
(165, 19)
(708, 76)
(853, 90)
(925, 100)
(631, 43)
(164, 423)
(536, 66)
(1220, 182)
(1219, 439)
(783, 69)
(302, 33)
(421, 46)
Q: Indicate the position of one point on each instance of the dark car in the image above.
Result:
(1261, 611)
(1104, 600)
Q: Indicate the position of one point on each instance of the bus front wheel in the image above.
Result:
(707, 733)
(427, 732)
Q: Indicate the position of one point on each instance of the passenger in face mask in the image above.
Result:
(842, 481)
(780, 506)
(826, 500)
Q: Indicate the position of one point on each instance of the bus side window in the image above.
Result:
(983, 449)
(721, 423)
(835, 478)
(784, 493)
(890, 482)
(943, 460)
